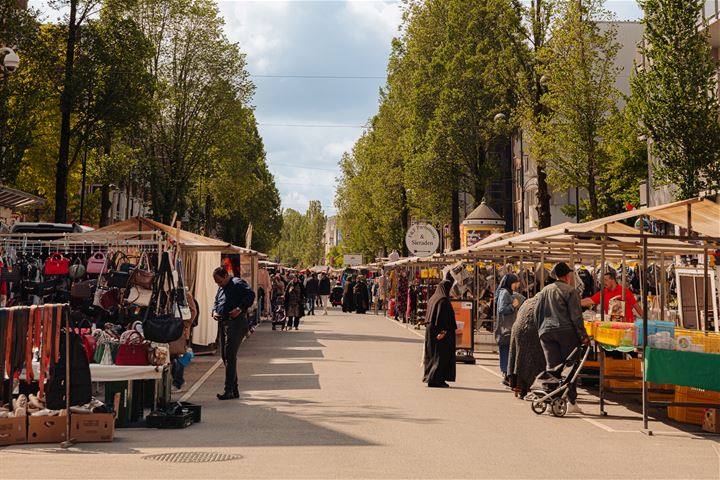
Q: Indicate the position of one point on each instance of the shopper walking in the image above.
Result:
(232, 301)
(311, 292)
(560, 324)
(362, 297)
(526, 359)
(439, 357)
(294, 303)
(348, 302)
(324, 291)
(506, 307)
(278, 290)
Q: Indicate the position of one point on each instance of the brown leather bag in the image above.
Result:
(142, 275)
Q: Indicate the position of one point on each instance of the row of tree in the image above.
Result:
(301, 241)
(464, 75)
(146, 95)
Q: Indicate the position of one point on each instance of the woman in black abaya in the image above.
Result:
(362, 297)
(348, 302)
(439, 358)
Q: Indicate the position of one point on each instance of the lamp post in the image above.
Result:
(646, 139)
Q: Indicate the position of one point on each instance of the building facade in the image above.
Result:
(332, 236)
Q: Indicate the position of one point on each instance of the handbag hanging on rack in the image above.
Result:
(77, 270)
(57, 264)
(142, 275)
(97, 264)
(8, 272)
(162, 326)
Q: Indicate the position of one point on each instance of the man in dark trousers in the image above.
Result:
(324, 291)
(311, 292)
(232, 301)
(559, 320)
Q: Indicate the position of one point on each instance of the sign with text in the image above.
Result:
(352, 260)
(422, 239)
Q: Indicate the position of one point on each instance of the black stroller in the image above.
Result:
(336, 295)
(278, 315)
(551, 387)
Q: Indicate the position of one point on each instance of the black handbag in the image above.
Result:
(117, 279)
(8, 273)
(160, 324)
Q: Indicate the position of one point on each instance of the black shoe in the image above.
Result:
(438, 385)
(227, 396)
(236, 394)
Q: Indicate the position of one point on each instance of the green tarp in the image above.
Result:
(689, 369)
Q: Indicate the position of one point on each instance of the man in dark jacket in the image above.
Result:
(232, 301)
(558, 316)
(324, 291)
(311, 292)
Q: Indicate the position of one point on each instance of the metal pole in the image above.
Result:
(645, 338)
(662, 286)
(82, 191)
(602, 274)
(706, 290)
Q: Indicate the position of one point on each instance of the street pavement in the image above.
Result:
(342, 398)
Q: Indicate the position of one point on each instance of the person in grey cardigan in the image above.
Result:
(507, 303)
(558, 316)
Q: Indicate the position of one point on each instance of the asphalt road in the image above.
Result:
(342, 398)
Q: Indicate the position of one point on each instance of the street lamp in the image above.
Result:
(10, 60)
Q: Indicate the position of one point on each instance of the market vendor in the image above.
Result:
(614, 290)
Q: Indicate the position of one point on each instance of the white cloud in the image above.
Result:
(381, 17)
(336, 149)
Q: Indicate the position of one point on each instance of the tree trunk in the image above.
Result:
(209, 217)
(543, 191)
(455, 219)
(404, 219)
(105, 205)
(66, 106)
(592, 194)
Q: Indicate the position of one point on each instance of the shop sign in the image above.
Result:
(422, 239)
(352, 260)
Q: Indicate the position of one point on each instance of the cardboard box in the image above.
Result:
(47, 429)
(13, 431)
(93, 427)
(711, 421)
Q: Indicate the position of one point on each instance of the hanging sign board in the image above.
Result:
(422, 239)
(352, 260)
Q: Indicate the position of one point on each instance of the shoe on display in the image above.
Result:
(574, 408)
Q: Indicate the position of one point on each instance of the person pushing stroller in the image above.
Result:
(558, 316)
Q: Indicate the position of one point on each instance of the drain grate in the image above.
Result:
(192, 457)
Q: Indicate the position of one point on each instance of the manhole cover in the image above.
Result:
(192, 457)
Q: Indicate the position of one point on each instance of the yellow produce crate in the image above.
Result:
(590, 328)
(690, 415)
(709, 340)
(612, 336)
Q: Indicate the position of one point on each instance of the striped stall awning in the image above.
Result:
(11, 198)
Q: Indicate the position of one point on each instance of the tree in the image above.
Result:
(201, 79)
(580, 64)
(675, 96)
(313, 233)
(289, 249)
(527, 32)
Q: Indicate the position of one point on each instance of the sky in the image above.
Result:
(307, 123)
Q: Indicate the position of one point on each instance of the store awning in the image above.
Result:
(11, 198)
(187, 240)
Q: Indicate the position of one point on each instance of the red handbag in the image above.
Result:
(133, 352)
(89, 343)
(57, 264)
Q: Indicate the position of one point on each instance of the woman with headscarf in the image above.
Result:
(348, 302)
(401, 300)
(361, 296)
(294, 303)
(439, 357)
(526, 360)
(507, 304)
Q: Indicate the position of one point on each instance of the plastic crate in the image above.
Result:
(196, 410)
(709, 340)
(631, 367)
(590, 328)
(654, 326)
(696, 395)
(614, 334)
(170, 421)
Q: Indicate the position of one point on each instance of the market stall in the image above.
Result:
(694, 237)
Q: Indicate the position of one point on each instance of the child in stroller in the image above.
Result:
(278, 315)
(551, 388)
